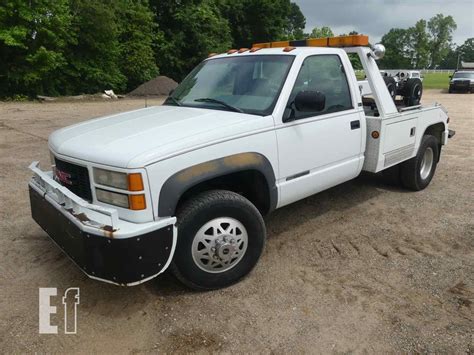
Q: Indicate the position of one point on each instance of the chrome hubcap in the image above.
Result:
(426, 163)
(219, 245)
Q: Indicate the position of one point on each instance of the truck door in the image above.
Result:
(318, 150)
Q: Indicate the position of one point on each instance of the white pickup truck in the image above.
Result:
(187, 184)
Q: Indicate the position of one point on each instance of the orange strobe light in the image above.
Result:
(339, 41)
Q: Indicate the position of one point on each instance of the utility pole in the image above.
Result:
(457, 65)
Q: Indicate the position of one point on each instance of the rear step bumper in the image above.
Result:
(446, 134)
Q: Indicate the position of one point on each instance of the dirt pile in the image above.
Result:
(160, 86)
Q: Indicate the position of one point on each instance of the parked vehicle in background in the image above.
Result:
(462, 81)
(405, 83)
(187, 184)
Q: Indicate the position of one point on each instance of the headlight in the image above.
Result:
(112, 198)
(132, 202)
(111, 178)
(130, 182)
(122, 181)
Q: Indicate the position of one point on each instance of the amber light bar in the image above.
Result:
(340, 41)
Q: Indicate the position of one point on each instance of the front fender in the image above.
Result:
(178, 183)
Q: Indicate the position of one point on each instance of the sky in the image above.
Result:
(377, 17)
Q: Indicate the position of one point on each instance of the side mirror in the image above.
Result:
(450, 77)
(310, 101)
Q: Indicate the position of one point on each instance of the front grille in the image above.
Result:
(75, 178)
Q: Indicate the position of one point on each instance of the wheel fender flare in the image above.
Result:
(440, 138)
(178, 183)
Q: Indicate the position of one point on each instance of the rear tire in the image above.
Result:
(391, 86)
(416, 173)
(413, 92)
(221, 236)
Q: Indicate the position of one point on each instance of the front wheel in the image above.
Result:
(221, 236)
(416, 173)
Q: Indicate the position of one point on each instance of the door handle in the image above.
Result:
(355, 124)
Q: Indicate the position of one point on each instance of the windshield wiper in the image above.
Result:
(174, 100)
(216, 101)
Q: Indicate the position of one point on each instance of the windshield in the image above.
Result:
(464, 75)
(249, 84)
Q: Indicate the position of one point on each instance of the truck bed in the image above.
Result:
(399, 135)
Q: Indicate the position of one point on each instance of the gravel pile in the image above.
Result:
(160, 86)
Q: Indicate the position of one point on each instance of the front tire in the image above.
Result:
(416, 173)
(221, 236)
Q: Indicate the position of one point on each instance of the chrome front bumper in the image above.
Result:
(96, 239)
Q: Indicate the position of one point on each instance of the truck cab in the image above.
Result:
(186, 185)
(461, 81)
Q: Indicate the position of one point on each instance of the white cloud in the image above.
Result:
(377, 17)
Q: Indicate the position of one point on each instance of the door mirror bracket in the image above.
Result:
(289, 114)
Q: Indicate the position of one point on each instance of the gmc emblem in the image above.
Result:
(63, 177)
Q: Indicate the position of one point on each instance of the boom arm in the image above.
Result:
(383, 100)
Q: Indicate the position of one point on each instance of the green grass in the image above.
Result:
(436, 80)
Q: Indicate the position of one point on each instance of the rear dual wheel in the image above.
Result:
(417, 173)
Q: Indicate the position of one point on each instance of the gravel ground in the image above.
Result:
(364, 267)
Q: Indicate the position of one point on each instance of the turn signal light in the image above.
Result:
(135, 182)
(137, 202)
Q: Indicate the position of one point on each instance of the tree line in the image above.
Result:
(63, 47)
(427, 44)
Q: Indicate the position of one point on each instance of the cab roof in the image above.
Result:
(280, 51)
